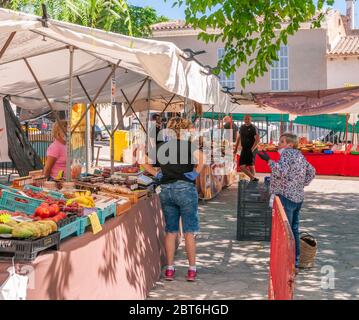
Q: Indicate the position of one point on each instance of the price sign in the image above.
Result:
(95, 223)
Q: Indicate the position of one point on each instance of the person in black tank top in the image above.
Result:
(248, 140)
(181, 163)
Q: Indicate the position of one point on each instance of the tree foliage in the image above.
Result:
(91, 13)
(252, 31)
(142, 18)
(110, 15)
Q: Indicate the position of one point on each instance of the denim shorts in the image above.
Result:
(180, 199)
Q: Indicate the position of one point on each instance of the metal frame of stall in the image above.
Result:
(92, 101)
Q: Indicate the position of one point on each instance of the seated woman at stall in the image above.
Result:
(56, 152)
(180, 164)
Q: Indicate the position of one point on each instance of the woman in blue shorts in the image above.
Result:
(181, 163)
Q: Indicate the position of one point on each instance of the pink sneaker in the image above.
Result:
(191, 275)
(170, 274)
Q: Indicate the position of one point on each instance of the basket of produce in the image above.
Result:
(308, 250)
(82, 199)
(15, 202)
(39, 193)
(27, 230)
(68, 218)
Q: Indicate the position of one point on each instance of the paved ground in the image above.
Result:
(228, 269)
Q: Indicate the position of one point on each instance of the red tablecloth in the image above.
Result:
(324, 164)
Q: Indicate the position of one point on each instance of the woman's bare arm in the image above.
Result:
(50, 161)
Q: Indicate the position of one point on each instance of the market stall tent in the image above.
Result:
(27, 41)
(50, 65)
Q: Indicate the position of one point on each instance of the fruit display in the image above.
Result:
(37, 195)
(133, 169)
(83, 199)
(315, 147)
(115, 189)
(304, 146)
(74, 208)
(45, 211)
(129, 170)
(25, 230)
(267, 147)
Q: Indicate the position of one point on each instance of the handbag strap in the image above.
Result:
(307, 235)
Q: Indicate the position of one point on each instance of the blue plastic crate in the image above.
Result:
(16, 202)
(3, 187)
(85, 221)
(53, 194)
(109, 211)
(71, 229)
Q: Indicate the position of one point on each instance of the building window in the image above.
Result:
(225, 81)
(279, 71)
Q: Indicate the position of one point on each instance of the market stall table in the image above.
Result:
(337, 164)
(122, 262)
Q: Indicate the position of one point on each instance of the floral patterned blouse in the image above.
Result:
(290, 175)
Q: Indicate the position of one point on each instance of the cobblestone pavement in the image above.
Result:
(229, 269)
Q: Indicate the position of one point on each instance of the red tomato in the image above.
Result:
(52, 211)
(56, 218)
(56, 208)
(38, 211)
(63, 215)
(44, 213)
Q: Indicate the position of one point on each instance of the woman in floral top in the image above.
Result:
(289, 177)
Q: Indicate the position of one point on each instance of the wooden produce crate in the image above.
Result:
(134, 196)
(122, 206)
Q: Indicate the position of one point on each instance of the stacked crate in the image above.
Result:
(254, 216)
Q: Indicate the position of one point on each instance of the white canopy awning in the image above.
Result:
(46, 49)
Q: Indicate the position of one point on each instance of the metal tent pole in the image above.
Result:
(68, 136)
(88, 140)
(7, 43)
(346, 131)
(167, 104)
(212, 124)
(148, 112)
(113, 69)
(113, 108)
(43, 93)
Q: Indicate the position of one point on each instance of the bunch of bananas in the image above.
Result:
(83, 198)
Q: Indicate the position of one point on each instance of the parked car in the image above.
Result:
(101, 134)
